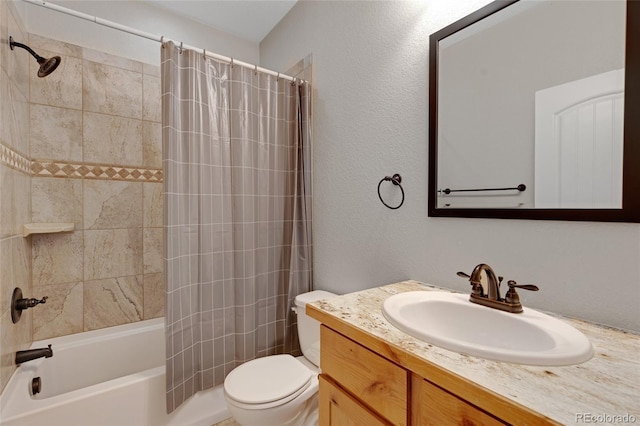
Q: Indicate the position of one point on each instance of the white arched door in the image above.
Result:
(579, 142)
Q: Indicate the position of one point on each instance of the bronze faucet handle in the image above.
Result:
(530, 287)
(476, 288)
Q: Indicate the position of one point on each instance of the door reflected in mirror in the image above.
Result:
(489, 76)
(527, 112)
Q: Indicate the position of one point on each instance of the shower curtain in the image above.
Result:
(236, 159)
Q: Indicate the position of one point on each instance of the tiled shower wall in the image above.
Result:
(15, 251)
(96, 161)
(83, 146)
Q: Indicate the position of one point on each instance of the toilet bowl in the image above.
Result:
(280, 390)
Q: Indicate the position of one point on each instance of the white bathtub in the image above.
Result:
(109, 377)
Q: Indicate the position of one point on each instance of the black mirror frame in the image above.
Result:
(630, 211)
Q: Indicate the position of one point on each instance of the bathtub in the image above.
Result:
(109, 377)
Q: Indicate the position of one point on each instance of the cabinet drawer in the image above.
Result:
(339, 408)
(375, 381)
(432, 405)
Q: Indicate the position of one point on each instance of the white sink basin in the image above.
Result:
(451, 321)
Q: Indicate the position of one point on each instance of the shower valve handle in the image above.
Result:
(22, 304)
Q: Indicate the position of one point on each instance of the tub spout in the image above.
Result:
(31, 354)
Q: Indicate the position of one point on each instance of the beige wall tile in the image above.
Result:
(112, 204)
(112, 60)
(5, 108)
(57, 47)
(57, 258)
(151, 104)
(62, 88)
(21, 201)
(21, 261)
(15, 264)
(19, 129)
(109, 139)
(153, 250)
(18, 59)
(7, 351)
(7, 207)
(56, 133)
(7, 282)
(63, 312)
(152, 144)
(112, 253)
(152, 70)
(14, 116)
(56, 200)
(153, 296)
(153, 205)
(13, 338)
(124, 97)
(4, 35)
(112, 302)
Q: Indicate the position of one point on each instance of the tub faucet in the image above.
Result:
(31, 354)
(488, 294)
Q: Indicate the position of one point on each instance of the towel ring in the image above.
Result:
(395, 179)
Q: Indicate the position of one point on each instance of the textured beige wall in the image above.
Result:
(15, 251)
(96, 162)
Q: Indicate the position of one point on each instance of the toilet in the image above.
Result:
(280, 390)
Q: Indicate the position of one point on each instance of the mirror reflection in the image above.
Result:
(530, 108)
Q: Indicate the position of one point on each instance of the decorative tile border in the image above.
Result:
(94, 171)
(12, 159)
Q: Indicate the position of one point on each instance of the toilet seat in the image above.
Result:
(267, 382)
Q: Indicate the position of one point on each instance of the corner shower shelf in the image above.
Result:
(46, 228)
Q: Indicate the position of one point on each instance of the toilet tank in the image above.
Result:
(308, 328)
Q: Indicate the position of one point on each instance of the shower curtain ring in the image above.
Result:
(204, 54)
(162, 41)
(278, 77)
(293, 81)
(255, 70)
(231, 62)
(181, 48)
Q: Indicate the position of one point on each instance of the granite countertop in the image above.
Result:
(608, 385)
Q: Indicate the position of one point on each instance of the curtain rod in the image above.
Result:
(159, 39)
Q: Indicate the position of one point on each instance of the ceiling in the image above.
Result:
(248, 19)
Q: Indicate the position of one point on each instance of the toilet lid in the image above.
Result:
(266, 379)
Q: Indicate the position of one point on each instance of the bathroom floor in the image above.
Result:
(228, 422)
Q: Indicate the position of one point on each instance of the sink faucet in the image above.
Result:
(489, 295)
(31, 354)
(492, 291)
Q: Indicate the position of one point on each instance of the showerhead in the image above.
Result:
(47, 66)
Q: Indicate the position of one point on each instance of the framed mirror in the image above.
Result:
(534, 112)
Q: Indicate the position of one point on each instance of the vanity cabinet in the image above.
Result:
(362, 385)
(433, 405)
(373, 380)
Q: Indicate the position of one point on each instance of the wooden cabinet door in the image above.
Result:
(378, 383)
(339, 408)
(432, 405)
